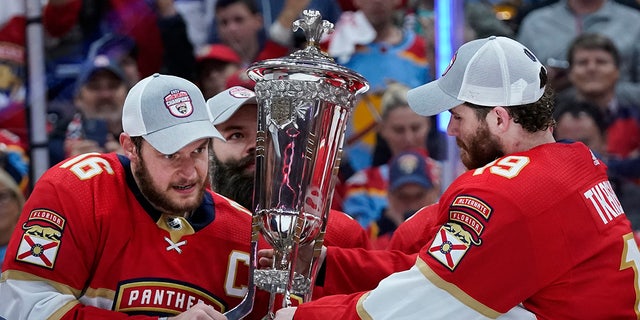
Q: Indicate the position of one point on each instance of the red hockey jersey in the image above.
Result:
(412, 234)
(93, 245)
(533, 235)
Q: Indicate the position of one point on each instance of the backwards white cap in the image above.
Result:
(494, 71)
(168, 112)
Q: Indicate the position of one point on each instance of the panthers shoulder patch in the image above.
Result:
(41, 238)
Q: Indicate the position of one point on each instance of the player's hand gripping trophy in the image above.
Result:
(304, 102)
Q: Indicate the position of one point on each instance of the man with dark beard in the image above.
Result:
(532, 231)
(234, 114)
(232, 179)
(107, 236)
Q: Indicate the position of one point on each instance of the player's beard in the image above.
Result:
(234, 180)
(159, 199)
(482, 148)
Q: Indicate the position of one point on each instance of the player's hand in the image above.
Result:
(265, 258)
(305, 254)
(200, 311)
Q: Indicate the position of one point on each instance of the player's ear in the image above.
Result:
(500, 118)
(127, 146)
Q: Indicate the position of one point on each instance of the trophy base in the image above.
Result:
(275, 281)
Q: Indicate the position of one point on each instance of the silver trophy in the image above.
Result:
(304, 103)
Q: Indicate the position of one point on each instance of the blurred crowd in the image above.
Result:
(96, 50)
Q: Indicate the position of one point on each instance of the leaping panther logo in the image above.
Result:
(459, 232)
(42, 232)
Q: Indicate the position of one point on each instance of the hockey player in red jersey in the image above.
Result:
(108, 236)
(532, 231)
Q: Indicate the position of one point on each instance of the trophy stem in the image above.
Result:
(281, 260)
(281, 263)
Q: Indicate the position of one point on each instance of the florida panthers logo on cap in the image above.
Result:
(241, 92)
(408, 163)
(178, 102)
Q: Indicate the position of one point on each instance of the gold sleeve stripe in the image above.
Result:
(100, 293)
(362, 313)
(64, 289)
(456, 292)
(63, 310)
(24, 276)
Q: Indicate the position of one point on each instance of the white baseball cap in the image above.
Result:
(224, 104)
(494, 71)
(168, 112)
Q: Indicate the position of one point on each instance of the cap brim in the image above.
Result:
(429, 99)
(172, 139)
(222, 112)
(410, 179)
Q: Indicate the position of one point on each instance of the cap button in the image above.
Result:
(492, 37)
(155, 75)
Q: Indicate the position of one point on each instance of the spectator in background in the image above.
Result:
(594, 71)
(365, 193)
(215, 64)
(13, 71)
(200, 22)
(158, 31)
(14, 159)
(122, 50)
(410, 189)
(73, 25)
(239, 23)
(581, 121)
(11, 202)
(594, 65)
(278, 16)
(14, 133)
(94, 127)
(564, 20)
(372, 42)
(585, 122)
